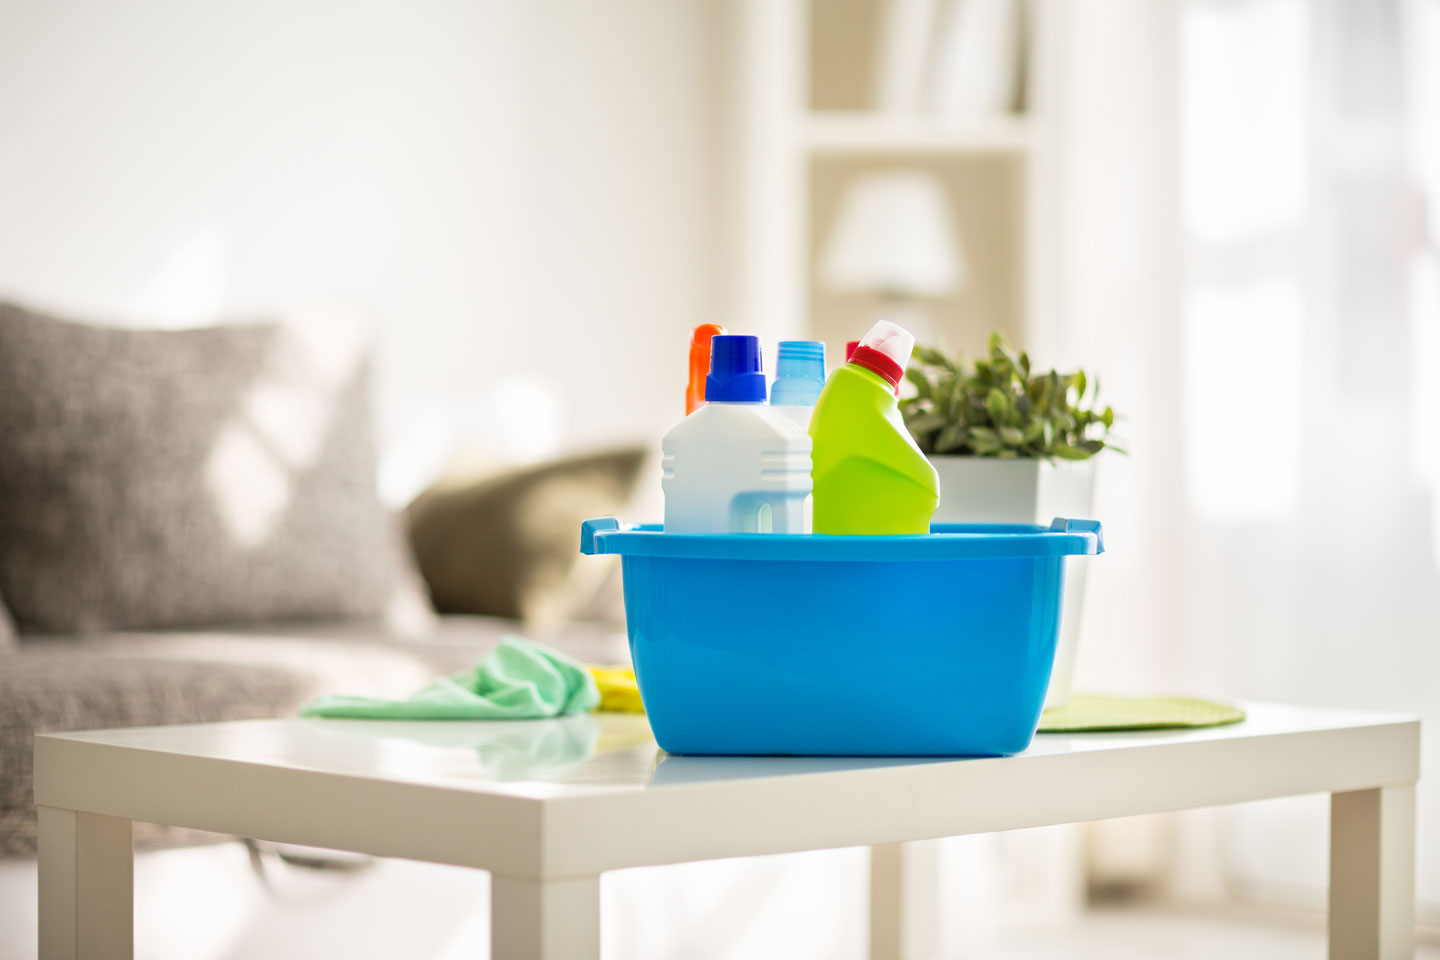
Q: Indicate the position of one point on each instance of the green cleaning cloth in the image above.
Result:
(1086, 712)
(518, 680)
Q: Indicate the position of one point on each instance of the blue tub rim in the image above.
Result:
(945, 541)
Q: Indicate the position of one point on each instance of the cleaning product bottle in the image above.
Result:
(699, 364)
(799, 377)
(736, 465)
(850, 349)
(870, 476)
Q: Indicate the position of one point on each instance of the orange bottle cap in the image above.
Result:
(699, 364)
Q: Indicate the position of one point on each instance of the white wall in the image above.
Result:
(511, 188)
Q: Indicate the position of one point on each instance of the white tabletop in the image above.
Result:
(544, 789)
(604, 753)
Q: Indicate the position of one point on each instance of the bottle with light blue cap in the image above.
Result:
(736, 465)
(799, 378)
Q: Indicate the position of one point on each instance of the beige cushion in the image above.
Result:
(157, 478)
(508, 544)
(7, 628)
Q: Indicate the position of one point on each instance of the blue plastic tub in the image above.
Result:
(936, 644)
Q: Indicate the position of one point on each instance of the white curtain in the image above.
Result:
(1276, 337)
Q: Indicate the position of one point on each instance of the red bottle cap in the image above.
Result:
(885, 350)
(850, 349)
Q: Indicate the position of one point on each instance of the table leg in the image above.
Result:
(1372, 874)
(544, 920)
(904, 885)
(87, 886)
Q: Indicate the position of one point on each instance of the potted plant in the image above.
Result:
(1012, 445)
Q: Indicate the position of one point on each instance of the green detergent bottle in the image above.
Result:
(870, 477)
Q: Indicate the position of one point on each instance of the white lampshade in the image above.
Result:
(894, 235)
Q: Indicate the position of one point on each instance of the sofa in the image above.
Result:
(189, 532)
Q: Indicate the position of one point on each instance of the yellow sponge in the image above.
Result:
(619, 693)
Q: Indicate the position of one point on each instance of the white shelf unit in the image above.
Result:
(786, 151)
(861, 134)
(781, 147)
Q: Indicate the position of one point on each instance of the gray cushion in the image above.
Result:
(171, 478)
(60, 688)
(128, 680)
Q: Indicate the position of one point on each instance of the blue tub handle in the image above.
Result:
(1063, 525)
(590, 528)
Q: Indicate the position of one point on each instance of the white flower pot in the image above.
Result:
(986, 490)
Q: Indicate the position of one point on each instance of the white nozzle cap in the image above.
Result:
(885, 350)
(892, 340)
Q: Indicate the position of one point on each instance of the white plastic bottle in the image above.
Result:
(736, 465)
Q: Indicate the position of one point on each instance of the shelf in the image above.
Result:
(868, 133)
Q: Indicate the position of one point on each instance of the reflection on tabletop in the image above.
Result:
(601, 749)
(575, 749)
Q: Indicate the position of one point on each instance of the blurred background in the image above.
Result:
(1224, 208)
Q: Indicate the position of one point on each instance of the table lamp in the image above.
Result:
(894, 239)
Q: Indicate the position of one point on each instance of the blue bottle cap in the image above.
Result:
(735, 371)
(799, 373)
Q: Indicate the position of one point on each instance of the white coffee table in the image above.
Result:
(547, 806)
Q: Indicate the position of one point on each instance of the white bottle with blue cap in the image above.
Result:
(736, 465)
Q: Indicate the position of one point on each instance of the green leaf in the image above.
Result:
(1013, 362)
(984, 435)
(951, 438)
(1034, 430)
(998, 405)
(925, 423)
(1007, 454)
(955, 399)
(1025, 364)
(932, 357)
(1012, 436)
(1108, 418)
(1077, 380)
(1038, 390)
(924, 386)
(1066, 452)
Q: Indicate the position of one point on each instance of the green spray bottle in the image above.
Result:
(870, 476)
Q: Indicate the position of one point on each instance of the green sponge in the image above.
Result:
(1087, 712)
